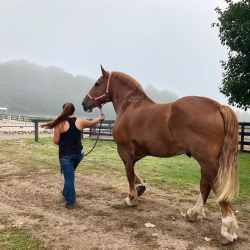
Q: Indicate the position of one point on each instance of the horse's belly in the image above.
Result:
(157, 146)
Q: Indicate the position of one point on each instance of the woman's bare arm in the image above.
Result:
(57, 133)
(83, 123)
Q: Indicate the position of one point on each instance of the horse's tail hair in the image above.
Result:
(227, 183)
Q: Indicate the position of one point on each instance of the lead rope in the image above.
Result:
(96, 137)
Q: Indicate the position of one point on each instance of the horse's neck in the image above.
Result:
(123, 95)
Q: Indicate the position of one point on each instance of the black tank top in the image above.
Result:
(70, 141)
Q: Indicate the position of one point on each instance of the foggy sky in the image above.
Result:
(167, 43)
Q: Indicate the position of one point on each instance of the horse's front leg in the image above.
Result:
(132, 199)
(128, 160)
(136, 186)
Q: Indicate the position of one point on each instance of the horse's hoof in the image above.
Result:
(140, 189)
(187, 218)
(226, 242)
(131, 203)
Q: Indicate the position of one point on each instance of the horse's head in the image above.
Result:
(99, 94)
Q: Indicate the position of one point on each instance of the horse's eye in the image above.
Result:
(97, 84)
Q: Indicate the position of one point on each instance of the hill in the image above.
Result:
(29, 89)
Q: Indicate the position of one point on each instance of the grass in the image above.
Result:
(147, 238)
(87, 196)
(244, 177)
(18, 239)
(174, 175)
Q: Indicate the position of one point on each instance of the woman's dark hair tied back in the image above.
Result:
(68, 109)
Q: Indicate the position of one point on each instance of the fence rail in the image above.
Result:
(244, 136)
(92, 132)
(20, 118)
(106, 130)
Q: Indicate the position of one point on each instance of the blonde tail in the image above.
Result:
(227, 183)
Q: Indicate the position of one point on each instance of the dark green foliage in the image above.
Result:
(234, 28)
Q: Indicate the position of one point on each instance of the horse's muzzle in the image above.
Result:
(84, 107)
(87, 107)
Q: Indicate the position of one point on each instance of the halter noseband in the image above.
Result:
(106, 94)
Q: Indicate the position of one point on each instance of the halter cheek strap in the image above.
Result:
(106, 94)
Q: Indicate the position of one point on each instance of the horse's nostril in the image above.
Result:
(82, 103)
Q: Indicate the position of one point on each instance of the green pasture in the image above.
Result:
(173, 174)
(177, 174)
(18, 239)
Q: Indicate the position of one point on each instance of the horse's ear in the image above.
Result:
(104, 73)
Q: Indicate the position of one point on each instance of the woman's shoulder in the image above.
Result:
(81, 123)
(81, 119)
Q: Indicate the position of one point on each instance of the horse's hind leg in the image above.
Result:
(229, 224)
(197, 212)
(208, 174)
(140, 187)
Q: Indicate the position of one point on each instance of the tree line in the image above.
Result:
(29, 89)
(33, 90)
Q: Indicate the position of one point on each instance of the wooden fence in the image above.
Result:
(105, 132)
(107, 126)
(244, 136)
(90, 132)
(20, 118)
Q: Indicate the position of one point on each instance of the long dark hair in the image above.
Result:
(68, 109)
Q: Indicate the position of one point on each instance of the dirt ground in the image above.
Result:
(31, 199)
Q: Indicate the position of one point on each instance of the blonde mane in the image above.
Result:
(129, 79)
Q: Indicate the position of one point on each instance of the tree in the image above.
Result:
(234, 32)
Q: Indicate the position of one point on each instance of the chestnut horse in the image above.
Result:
(192, 125)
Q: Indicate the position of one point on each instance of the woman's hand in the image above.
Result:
(102, 117)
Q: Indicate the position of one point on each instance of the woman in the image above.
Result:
(67, 135)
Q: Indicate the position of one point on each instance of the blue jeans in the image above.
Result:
(68, 164)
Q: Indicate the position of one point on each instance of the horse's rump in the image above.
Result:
(201, 124)
(196, 125)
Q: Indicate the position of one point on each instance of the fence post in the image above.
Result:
(36, 130)
(90, 130)
(242, 136)
(36, 121)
